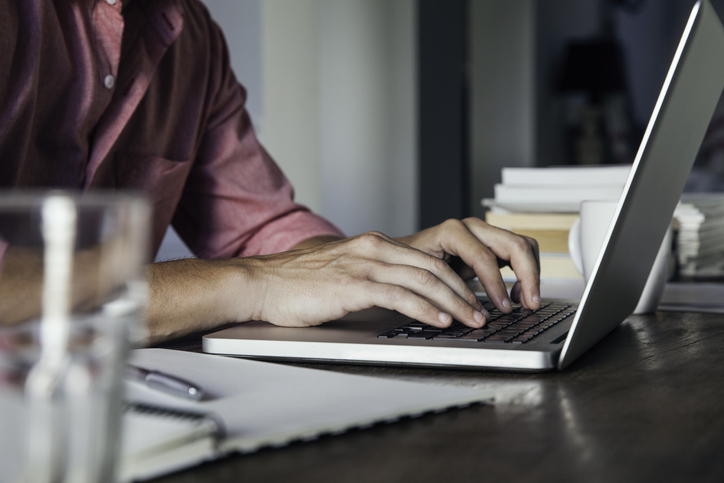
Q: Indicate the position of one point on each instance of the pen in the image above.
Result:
(164, 382)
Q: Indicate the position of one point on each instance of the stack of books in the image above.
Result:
(550, 231)
(699, 220)
(543, 203)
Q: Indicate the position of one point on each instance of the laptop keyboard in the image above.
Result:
(518, 327)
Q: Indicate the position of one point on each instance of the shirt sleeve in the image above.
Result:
(237, 201)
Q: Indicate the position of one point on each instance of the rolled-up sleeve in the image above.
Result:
(236, 200)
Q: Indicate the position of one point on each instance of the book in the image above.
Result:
(543, 203)
(693, 297)
(157, 438)
(699, 227)
(549, 241)
(557, 189)
(566, 175)
(531, 221)
(553, 266)
(553, 198)
(550, 230)
(251, 405)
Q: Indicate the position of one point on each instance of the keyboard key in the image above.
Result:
(535, 318)
(508, 318)
(476, 334)
(508, 332)
(423, 335)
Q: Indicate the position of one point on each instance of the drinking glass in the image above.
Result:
(71, 299)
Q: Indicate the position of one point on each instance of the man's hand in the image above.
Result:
(326, 279)
(411, 275)
(314, 285)
(483, 249)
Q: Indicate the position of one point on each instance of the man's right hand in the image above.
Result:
(314, 285)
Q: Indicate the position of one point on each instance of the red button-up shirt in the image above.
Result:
(93, 97)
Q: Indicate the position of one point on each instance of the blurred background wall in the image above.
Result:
(333, 92)
(331, 87)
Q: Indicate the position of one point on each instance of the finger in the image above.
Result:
(530, 294)
(379, 247)
(397, 297)
(526, 290)
(515, 293)
(460, 241)
(520, 252)
(427, 285)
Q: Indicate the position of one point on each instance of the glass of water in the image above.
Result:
(71, 300)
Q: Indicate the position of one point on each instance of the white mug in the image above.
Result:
(585, 240)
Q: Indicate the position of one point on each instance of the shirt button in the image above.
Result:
(111, 2)
(109, 81)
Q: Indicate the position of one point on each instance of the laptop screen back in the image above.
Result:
(669, 147)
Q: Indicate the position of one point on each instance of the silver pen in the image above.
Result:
(164, 382)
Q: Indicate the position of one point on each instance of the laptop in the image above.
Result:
(560, 332)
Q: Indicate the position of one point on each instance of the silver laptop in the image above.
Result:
(559, 333)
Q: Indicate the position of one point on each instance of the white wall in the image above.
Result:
(339, 107)
(502, 54)
(290, 90)
(332, 92)
(367, 115)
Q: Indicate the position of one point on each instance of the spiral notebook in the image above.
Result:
(251, 405)
(158, 440)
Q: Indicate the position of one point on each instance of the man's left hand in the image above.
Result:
(483, 249)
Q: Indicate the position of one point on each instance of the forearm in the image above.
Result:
(185, 296)
(21, 283)
(193, 295)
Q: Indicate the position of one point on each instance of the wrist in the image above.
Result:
(192, 295)
(244, 289)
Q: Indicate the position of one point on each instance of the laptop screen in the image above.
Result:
(669, 147)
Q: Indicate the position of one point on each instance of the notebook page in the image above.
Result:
(266, 404)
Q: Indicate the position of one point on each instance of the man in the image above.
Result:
(99, 95)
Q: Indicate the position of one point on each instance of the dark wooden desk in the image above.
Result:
(645, 404)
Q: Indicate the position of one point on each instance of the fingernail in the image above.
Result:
(479, 316)
(536, 299)
(506, 303)
(445, 319)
